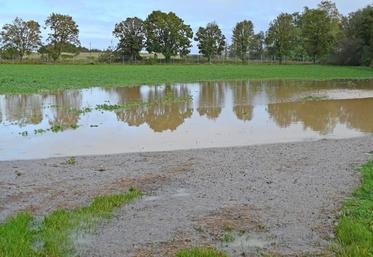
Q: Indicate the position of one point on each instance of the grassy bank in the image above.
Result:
(355, 229)
(37, 78)
(25, 236)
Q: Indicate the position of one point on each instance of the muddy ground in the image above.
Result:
(281, 199)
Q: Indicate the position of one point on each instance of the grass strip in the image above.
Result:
(355, 228)
(23, 236)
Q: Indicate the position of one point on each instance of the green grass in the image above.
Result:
(355, 228)
(37, 78)
(23, 236)
(200, 252)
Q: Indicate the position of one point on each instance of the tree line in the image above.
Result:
(321, 34)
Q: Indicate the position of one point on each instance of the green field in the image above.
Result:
(36, 78)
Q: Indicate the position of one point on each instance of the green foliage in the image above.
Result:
(355, 228)
(20, 235)
(356, 45)
(318, 32)
(243, 38)
(131, 35)
(166, 33)
(211, 41)
(21, 37)
(200, 252)
(281, 35)
(39, 78)
(64, 33)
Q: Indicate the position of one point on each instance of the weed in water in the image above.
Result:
(355, 228)
(74, 126)
(227, 237)
(71, 161)
(18, 237)
(39, 131)
(314, 98)
(57, 128)
(200, 252)
(23, 133)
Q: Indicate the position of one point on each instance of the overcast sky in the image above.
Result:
(96, 18)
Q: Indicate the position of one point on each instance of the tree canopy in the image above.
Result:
(166, 33)
(211, 41)
(131, 35)
(281, 35)
(20, 37)
(63, 31)
(243, 37)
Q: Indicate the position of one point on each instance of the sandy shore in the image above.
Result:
(281, 198)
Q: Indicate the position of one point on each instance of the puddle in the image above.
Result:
(248, 243)
(152, 198)
(181, 116)
(181, 193)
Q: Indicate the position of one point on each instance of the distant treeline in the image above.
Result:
(318, 35)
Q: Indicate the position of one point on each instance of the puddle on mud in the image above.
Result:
(248, 243)
(181, 116)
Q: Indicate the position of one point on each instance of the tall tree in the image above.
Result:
(22, 37)
(281, 35)
(243, 38)
(131, 35)
(359, 28)
(166, 33)
(318, 32)
(211, 41)
(257, 45)
(64, 31)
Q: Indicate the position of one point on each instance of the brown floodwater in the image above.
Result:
(182, 116)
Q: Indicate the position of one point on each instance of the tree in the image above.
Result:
(22, 37)
(243, 37)
(131, 35)
(64, 31)
(257, 45)
(318, 32)
(281, 35)
(166, 33)
(211, 41)
(359, 26)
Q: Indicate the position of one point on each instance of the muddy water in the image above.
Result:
(182, 116)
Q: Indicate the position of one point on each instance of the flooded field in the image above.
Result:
(181, 116)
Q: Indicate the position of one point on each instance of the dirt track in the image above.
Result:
(280, 198)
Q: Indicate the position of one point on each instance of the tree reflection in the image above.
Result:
(243, 96)
(158, 114)
(323, 116)
(211, 99)
(68, 104)
(24, 109)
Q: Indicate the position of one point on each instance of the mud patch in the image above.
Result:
(241, 218)
(165, 249)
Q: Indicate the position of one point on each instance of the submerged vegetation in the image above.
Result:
(23, 235)
(355, 228)
(167, 99)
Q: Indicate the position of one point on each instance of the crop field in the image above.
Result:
(32, 78)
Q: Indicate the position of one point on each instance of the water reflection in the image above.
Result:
(24, 109)
(211, 99)
(219, 114)
(161, 116)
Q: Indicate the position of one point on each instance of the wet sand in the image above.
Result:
(279, 198)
